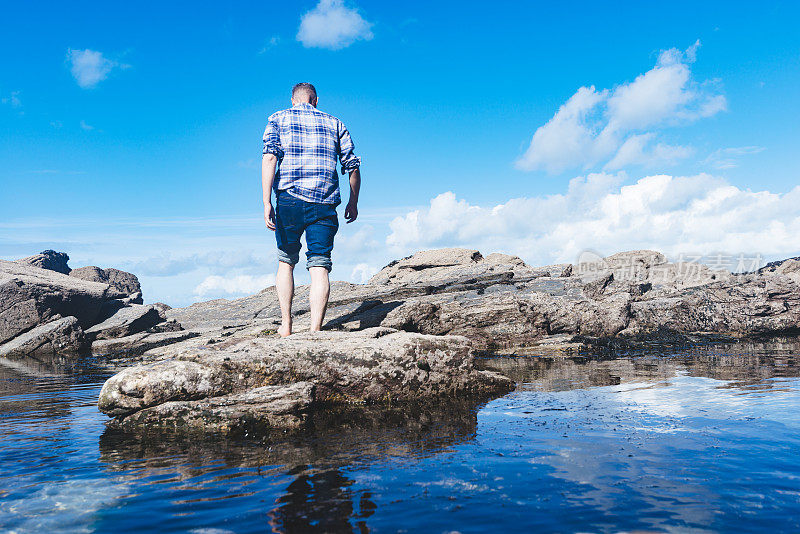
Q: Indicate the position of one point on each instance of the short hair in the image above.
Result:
(306, 88)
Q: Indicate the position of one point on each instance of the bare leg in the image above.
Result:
(284, 284)
(318, 296)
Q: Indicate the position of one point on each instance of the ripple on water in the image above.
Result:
(700, 439)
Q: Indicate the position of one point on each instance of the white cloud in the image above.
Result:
(12, 100)
(243, 284)
(331, 24)
(613, 126)
(90, 67)
(85, 126)
(728, 158)
(677, 215)
(363, 272)
(217, 261)
(271, 43)
(636, 151)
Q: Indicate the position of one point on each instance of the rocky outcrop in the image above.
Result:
(126, 321)
(498, 301)
(448, 302)
(125, 284)
(30, 296)
(136, 344)
(48, 259)
(42, 308)
(59, 336)
(374, 366)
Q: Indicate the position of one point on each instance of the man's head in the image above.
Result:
(304, 93)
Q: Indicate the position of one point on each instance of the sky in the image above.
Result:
(131, 133)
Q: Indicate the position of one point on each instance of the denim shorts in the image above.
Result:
(320, 222)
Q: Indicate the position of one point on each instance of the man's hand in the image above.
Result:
(269, 216)
(351, 212)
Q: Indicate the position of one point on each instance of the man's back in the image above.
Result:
(308, 142)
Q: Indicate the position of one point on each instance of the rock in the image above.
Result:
(789, 268)
(126, 284)
(161, 307)
(500, 302)
(267, 407)
(48, 259)
(454, 267)
(138, 343)
(372, 366)
(125, 321)
(30, 296)
(59, 336)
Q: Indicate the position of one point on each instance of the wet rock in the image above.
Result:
(262, 408)
(59, 336)
(372, 366)
(30, 296)
(48, 259)
(125, 321)
(126, 284)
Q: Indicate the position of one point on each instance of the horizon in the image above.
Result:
(133, 141)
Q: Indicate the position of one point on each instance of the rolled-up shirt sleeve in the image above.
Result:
(272, 139)
(347, 157)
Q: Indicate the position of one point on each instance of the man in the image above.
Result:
(301, 148)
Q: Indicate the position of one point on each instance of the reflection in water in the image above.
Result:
(702, 439)
(319, 495)
(749, 364)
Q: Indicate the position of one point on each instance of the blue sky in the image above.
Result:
(132, 133)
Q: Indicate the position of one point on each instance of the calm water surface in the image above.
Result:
(705, 439)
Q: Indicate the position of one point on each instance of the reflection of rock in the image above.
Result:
(373, 366)
(741, 364)
(319, 496)
(341, 433)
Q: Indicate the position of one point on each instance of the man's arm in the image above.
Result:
(351, 211)
(350, 164)
(273, 152)
(268, 164)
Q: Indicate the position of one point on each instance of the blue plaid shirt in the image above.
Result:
(307, 143)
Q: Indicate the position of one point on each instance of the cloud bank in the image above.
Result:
(615, 128)
(333, 25)
(678, 215)
(216, 285)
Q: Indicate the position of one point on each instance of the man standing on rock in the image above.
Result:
(301, 147)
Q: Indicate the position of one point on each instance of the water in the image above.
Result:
(695, 440)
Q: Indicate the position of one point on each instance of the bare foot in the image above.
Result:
(285, 331)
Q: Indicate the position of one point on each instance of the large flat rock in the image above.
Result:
(139, 343)
(374, 366)
(30, 296)
(126, 321)
(261, 408)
